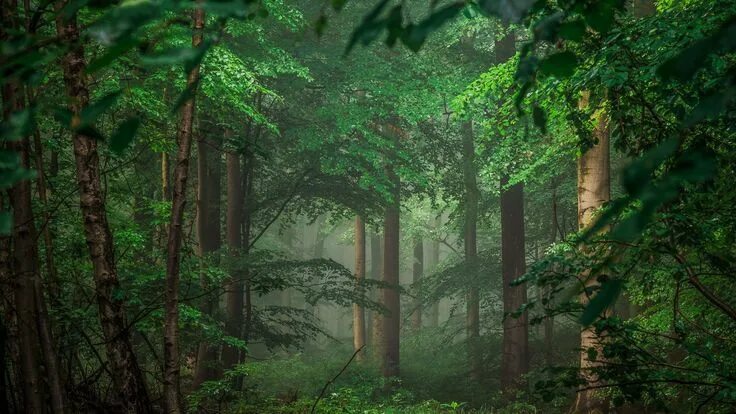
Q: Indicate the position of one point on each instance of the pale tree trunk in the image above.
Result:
(594, 190)
(515, 358)
(434, 259)
(391, 322)
(172, 395)
(128, 378)
(417, 273)
(208, 235)
(358, 311)
(234, 288)
(472, 314)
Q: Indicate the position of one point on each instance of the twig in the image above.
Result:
(327, 384)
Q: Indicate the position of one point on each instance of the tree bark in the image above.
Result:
(128, 378)
(376, 271)
(472, 314)
(391, 322)
(234, 289)
(515, 359)
(417, 274)
(358, 311)
(208, 234)
(172, 395)
(594, 189)
(434, 259)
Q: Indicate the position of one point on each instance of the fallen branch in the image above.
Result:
(327, 384)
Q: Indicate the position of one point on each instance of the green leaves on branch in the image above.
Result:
(602, 300)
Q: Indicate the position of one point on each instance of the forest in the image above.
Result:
(368, 206)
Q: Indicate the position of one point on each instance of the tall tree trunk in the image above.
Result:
(358, 311)
(515, 359)
(208, 234)
(234, 288)
(127, 377)
(43, 193)
(24, 253)
(417, 274)
(549, 321)
(594, 189)
(472, 314)
(376, 271)
(391, 322)
(172, 395)
(434, 259)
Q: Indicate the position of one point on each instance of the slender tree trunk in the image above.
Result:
(549, 321)
(208, 234)
(515, 359)
(234, 288)
(358, 311)
(127, 376)
(52, 274)
(24, 253)
(594, 189)
(172, 395)
(391, 300)
(376, 271)
(248, 178)
(434, 312)
(417, 274)
(472, 314)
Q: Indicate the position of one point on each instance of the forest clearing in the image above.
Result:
(368, 206)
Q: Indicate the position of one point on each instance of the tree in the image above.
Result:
(358, 310)
(128, 378)
(515, 361)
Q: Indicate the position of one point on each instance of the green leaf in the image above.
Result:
(602, 300)
(573, 30)
(186, 95)
(118, 49)
(124, 135)
(560, 65)
(369, 28)
(91, 112)
(415, 36)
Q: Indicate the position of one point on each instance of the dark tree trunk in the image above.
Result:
(417, 273)
(127, 376)
(358, 311)
(391, 322)
(515, 359)
(172, 395)
(234, 289)
(208, 234)
(434, 260)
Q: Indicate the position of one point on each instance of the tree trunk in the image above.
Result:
(172, 395)
(234, 288)
(594, 189)
(515, 359)
(127, 376)
(358, 311)
(417, 273)
(24, 253)
(472, 314)
(376, 270)
(392, 320)
(208, 234)
(434, 259)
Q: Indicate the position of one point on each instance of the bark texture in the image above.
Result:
(358, 311)
(376, 272)
(594, 189)
(172, 395)
(128, 380)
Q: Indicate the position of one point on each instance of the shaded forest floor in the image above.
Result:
(434, 379)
